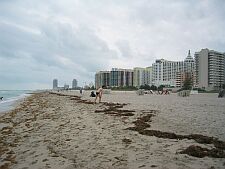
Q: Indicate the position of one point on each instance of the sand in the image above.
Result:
(62, 130)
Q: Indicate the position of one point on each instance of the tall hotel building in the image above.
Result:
(142, 76)
(121, 77)
(168, 73)
(55, 83)
(164, 72)
(210, 69)
(74, 83)
(188, 71)
(114, 78)
(102, 78)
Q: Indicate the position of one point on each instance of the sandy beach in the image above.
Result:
(65, 130)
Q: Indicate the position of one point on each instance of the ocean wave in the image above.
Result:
(7, 104)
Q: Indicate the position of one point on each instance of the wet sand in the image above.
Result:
(66, 130)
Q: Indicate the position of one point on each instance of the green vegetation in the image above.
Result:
(201, 90)
(161, 87)
(147, 87)
(211, 91)
(187, 84)
(153, 87)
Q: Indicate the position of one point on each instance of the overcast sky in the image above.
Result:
(65, 39)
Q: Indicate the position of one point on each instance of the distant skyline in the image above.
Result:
(42, 40)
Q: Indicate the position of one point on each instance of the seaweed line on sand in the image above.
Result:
(115, 109)
(142, 123)
(196, 151)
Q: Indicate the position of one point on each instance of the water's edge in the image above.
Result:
(11, 103)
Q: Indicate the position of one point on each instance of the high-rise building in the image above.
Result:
(189, 63)
(102, 78)
(188, 71)
(164, 72)
(142, 76)
(168, 73)
(210, 69)
(55, 83)
(148, 76)
(138, 76)
(114, 78)
(74, 83)
(121, 77)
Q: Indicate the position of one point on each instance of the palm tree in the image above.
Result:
(187, 84)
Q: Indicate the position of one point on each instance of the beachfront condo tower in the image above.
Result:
(102, 78)
(142, 76)
(74, 83)
(164, 72)
(114, 78)
(187, 73)
(169, 73)
(210, 67)
(121, 77)
(55, 83)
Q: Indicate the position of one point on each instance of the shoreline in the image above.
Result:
(13, 106)
(11, 103)
(66, 130)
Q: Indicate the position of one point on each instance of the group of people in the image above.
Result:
(98, 94)
(165, 92)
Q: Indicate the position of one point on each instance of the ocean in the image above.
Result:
(10, 97)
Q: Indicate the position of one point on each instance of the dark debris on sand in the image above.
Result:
(127, 141)
(200, 152)
(143, 122)
(114, 109)
(218, 152)
(75, 98)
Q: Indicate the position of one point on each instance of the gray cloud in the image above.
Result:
(48, 49)
(124, 48)
(42, 40)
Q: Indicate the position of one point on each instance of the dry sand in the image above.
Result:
(152, 131)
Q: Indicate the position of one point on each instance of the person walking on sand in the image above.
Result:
(99, 94)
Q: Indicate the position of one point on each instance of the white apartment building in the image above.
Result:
(165, 72)
(210, 69)
(188, 71)
(189, 63)
(142, 76)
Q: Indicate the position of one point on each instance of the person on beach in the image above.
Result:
(80, 90)
(99, 94)
(92, 94)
